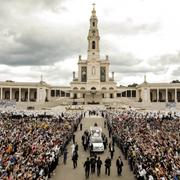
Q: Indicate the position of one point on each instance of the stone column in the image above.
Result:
(71, 95)
(19, 94)
(78, 95)
(157, 95)
(148, 95)
(1, 93)
(108, 95)
(37, 98)
(28, 94)
(166, 95)
(175, 97)
(49, 94)
(10, 90)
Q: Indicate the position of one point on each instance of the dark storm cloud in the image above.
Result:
(30, 5)
(25, 40)
(129, 27)
(40, 46)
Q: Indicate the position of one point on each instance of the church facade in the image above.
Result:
(93, 82)
(91, 85)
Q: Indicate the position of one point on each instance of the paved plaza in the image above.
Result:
(66, 172)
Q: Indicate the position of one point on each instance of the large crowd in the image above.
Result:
(149, 141)
(7, 103)
(30, 145)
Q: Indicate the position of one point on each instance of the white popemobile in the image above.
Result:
(96, 141)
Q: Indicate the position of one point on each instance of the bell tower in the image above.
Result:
(93, 82)
(93, 37)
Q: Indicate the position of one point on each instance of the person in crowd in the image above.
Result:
(91, 150)
(107, 164)
(73, 148)
(104, 123)
(65, 156)
(98, 164)
(105, 142)
(83, 140)
(73, 138)
(110, 132)
(76, 147)
(75, 158)
(80, 126)
(111, 150)
(119, 165)
(93, 164)
(87, 167)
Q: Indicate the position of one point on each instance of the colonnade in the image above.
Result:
(165, 95)
(18, 94)
(59, 93)
(127, 93)
(77, 94)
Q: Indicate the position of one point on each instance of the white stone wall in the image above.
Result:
(41, 94)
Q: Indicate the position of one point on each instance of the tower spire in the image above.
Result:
(94, 6)
(94, 10)
(93, 37)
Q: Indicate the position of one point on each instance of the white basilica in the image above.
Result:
(91, 85)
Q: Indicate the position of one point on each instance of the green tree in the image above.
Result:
(132, 85)
(175, 81)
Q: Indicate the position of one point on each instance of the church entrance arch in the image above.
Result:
(75, 96)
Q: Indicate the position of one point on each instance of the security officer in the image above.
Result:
(87, 167)
(75, 158)
(98, 163)
(119, 165)
(107, 166)
(93, 164)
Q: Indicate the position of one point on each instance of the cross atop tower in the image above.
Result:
(93, 11)
(145, 79)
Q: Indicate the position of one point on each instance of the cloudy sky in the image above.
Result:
(46, 36)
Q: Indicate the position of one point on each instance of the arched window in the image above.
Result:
(93, 23)
(93, 45)
(93, 88)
